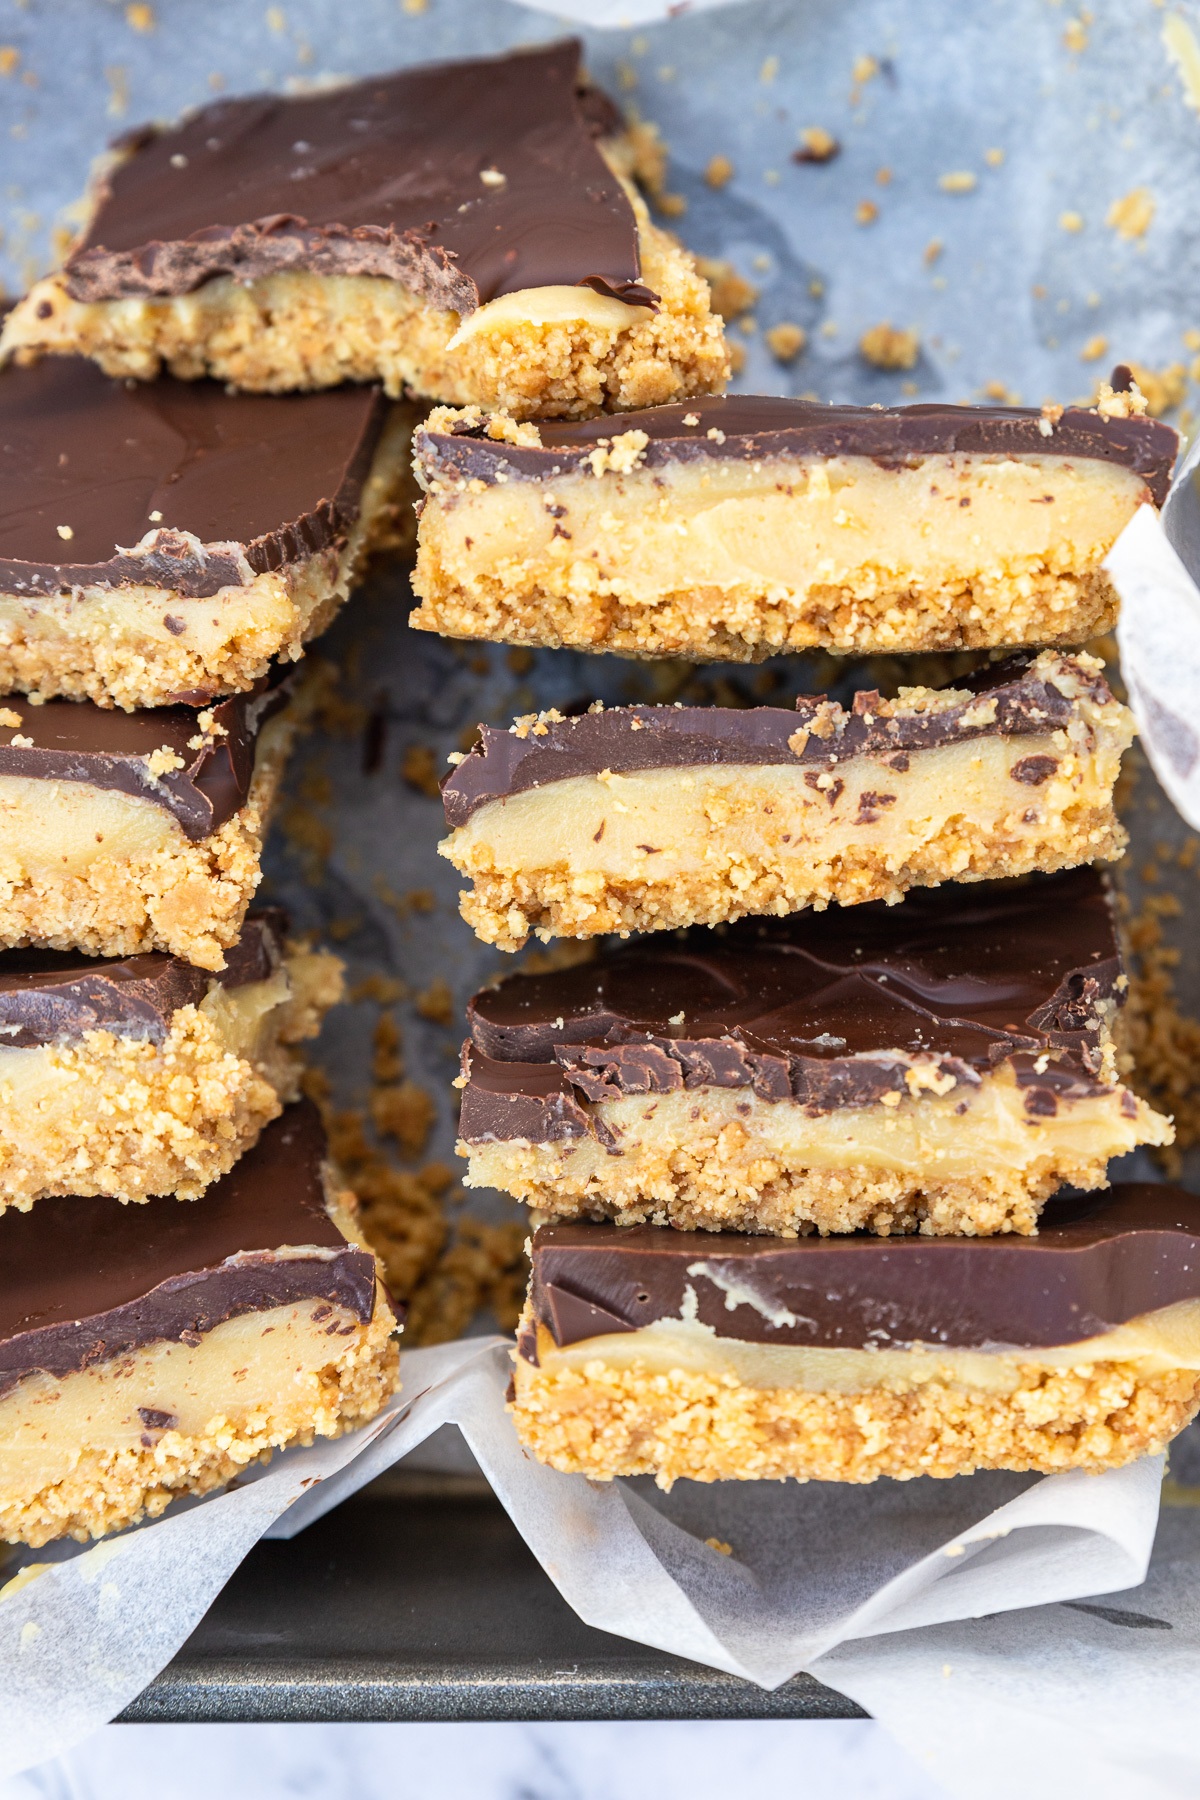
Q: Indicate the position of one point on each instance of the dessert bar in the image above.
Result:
(842, 1359)
(166, 541)
(940, 1067)
(152, 1351)
(645, 818)
(733, 529)
(122, 832)
(466, 230)
(146, 1075)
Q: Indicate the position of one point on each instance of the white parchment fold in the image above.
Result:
(812, 1567)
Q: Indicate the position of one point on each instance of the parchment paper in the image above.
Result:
(1083, 113)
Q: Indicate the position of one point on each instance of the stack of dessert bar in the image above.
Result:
(189, 482)
(787, 1164)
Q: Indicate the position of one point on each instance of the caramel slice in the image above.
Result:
(647, 818)
(467, 231)
(939, 1067)
(152, 1351)
(734, 529)
(124, 832)
(669, 1353)
(146, 1075)
(171, 540)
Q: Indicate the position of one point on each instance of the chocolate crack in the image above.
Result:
(826, 1010)
(462, 180)
(818, 734)
(757, 427)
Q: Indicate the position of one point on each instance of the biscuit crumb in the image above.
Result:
(719, 1546)
(887, 347)
(785, 341)
(160, 762)
(1070, 221)
(1075, 36)
(405, 1112)
(730, 294)
(1132, 215)
(9, 718)
(719, 172)
(817, 146)
(932, 251)
(419, 769)
(436, 1003)
(1164, 389)
(959, 181)
(866, 212)
(1094, 349)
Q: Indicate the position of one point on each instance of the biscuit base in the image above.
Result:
(133, 1118)
(604, 1422)
(133, 646)
(722, 1159)
(295, 330)
(108, 1488)
(188, 898)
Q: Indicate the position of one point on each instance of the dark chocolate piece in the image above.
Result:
(753, 427)
(816, 1008)
(816, 733)
(52, 996)
(75, 740)
(1097, 1261)
(85, 1280)
(237, 479)
(391, 177)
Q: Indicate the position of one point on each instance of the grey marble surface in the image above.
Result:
(807, 1760)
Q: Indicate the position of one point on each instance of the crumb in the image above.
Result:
(436, 1002)
(10, 56)
(406, 1113)
(1075, 37)
(384, 989)
(387, 1061)
(785, 341)
(865, 68)
(993, 158)
(747, 325)
(10, 719)
(717, 1544)
(817, 146)
(866, 212)
(1070, 221)
(719, 171)
(1164, 388)
(1131, 216)
(419, 769)
(885, 347)
(959, 181)
(731, 293)
(309, 836)
(341, 929)
(737, 358)
(140, 17)
(932, 251)
(1125, 405)
(1094, 349)
(883, 177)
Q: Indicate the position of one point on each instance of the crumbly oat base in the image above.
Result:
(721, 1159)
(737, 561)
(113, 1115)
(134, 646)
(109, 1489)
(659, 849)
(187, 898)
(294, 330)
(604, 1422)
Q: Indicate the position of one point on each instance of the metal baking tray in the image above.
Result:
(418, 1600)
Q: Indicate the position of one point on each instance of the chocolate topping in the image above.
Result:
(86, 1280)
(398, 176)
(825, 1009)
(55, 996)
(74, 740)
(243, 483)
(754, 427)
(816, 733)
(1096, 1262)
